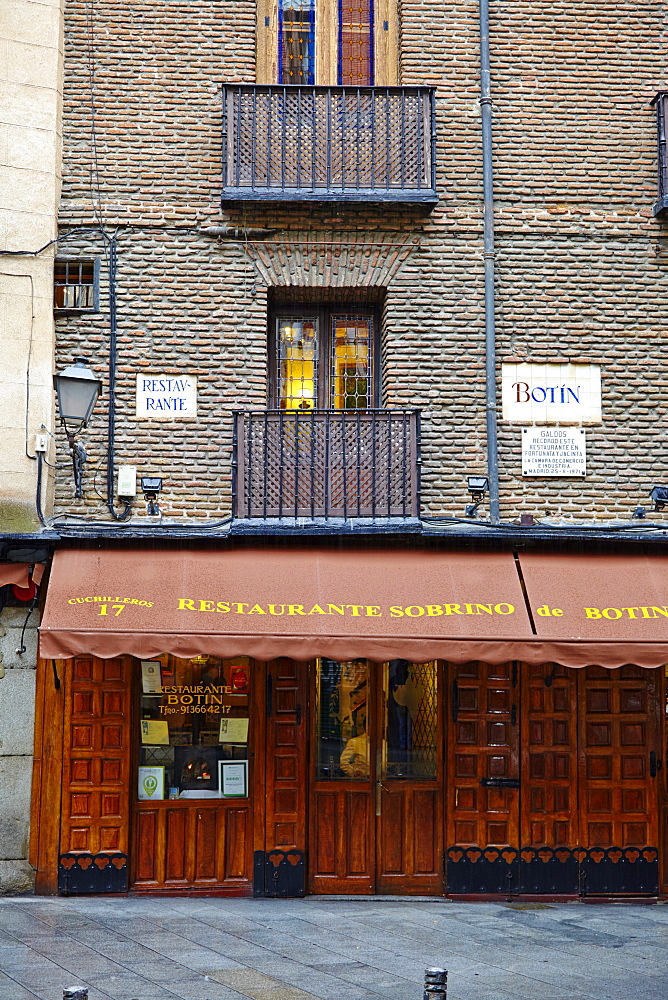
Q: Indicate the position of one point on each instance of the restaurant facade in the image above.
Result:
(277, 720)
(349, 578)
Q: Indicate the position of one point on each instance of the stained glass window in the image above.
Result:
(297, 41)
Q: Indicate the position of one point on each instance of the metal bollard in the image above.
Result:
(75, 993)
(435, 984)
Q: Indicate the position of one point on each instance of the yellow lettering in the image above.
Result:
(296, 609)
(661, 611)
(356, 608)
(645, 613)
(510, 609)
(630, 611)
(257, 610)
(185, 605)
(453, 609)
(172, 699)
(207, 606)
(434, 610)
(543, 611)
(317, 610)
(592, 613)
(223, 607)
(612, 613)
(414, 611)
(557, 612)
(396, 613)
(240, 608)
(487, 608)
(373, 611)
(338, 608)
(277, 614)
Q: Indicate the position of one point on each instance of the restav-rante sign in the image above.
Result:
(554, 451)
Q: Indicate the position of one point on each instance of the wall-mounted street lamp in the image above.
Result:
(77, 388)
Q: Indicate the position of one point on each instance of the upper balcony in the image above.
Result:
(294, 143)
(327, 466)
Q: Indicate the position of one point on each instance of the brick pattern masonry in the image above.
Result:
(581, 264)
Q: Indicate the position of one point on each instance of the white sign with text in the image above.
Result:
(554, 451)
(166, 397)
(551, 394)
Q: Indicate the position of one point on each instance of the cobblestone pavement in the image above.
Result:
(335, 949)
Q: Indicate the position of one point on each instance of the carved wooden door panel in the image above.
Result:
(95, 815)
(620, 755)
(483, 779)
(409, 800)
(549, 790)
(280, 868)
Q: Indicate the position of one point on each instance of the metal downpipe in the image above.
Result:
(488, 257)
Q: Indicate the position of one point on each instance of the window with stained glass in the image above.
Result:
(355, 43)
(297, 41)
(324, 358)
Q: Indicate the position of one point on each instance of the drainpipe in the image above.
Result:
(488, 257)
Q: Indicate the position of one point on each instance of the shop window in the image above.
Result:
(76, 285)
(355, 63)
(324, 358)
(194, 719)
(342, 720)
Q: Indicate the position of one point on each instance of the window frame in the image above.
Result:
(95, 261)
(385, 43)
(323, 312)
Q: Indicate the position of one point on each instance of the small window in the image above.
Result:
(324, 358)
(76, 285)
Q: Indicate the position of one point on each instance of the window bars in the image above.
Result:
(329, 143)
(326, 463)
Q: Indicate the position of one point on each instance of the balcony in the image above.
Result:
(291, 143)
(327, 466)
(660, 102)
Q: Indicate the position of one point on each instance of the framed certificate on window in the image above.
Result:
(233, 779)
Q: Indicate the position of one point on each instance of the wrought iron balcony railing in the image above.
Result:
(660, 102)
(328, 143)
(326, 464)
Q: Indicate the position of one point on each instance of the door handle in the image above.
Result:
(454, 703)
(500, 782)
(298, 714)
(513, 715)
(654, 764)
(269, 692)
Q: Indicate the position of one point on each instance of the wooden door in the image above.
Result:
(409, 801)
(620, 750)
(549, 790)
(280, 869)
(483, 780)
(342, 842)
(95, 810)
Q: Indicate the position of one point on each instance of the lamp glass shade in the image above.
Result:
(77, 388)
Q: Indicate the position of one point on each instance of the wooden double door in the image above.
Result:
(553, 780)
(376, 774)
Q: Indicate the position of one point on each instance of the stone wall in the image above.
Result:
(31, 53)
(17, 701)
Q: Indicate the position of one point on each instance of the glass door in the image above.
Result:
(376, 811)
(409, 800)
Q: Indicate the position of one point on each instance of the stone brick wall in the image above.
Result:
(581, 268)
(17, 699)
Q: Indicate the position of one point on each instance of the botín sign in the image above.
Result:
(554, 451)
(166, 397)
(551, 394)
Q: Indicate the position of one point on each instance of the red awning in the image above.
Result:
(301, 603)
(16, 573)
(345, 603)
(606, 609)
